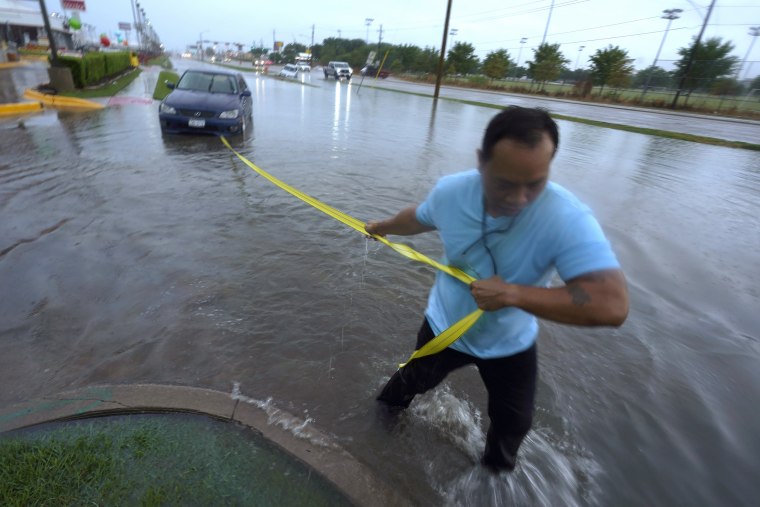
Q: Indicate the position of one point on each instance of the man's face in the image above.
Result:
(515, 175)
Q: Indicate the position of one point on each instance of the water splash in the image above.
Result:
(453, 418)
(298, 427)
(543, 477)
(548, 472)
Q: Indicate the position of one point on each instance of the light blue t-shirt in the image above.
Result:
(555, 232)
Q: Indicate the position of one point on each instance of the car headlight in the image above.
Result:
(228, 115)
(165, 108)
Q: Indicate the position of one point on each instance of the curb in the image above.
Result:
(19, 108)
(61, 102)
(314, 448)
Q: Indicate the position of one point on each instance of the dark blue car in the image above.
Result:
(211, 102)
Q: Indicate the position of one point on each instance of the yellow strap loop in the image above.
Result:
(438, 343)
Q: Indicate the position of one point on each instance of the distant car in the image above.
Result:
(211, 102)
(289, 70)
(338, 70)
(303, 66)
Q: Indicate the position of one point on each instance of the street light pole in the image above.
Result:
(519, 54)
(754, 31)
(692, 54)
(137, 28)
(368, 21)
(670, 15)
(578, 57)
(200, 43)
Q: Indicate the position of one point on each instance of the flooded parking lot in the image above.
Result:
(128, 257)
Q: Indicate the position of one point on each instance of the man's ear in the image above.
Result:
(481, 162)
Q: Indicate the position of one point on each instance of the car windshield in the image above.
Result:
(341, 65)
(207, 82)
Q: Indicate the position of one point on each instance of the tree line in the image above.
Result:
(714, 69)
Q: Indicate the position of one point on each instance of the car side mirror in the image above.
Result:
(246, 93)
(170, 85)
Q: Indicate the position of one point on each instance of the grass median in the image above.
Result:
(154, 460)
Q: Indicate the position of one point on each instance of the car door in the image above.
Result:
(246, 101)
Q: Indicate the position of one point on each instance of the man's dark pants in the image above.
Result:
(510, 382)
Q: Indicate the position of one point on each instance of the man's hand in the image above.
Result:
(598, 298)
(373, 227)
(492, 293)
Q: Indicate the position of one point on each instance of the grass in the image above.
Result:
(162, 61)
(153, 460)
(107, 90)
(734, 106)
(628, 128)
(161, 89)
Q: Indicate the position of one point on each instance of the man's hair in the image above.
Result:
(523, 124)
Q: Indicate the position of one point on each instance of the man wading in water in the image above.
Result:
(510, 228)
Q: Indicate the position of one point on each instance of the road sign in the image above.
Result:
(370, 57)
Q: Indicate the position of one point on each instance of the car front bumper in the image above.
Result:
(178, 124)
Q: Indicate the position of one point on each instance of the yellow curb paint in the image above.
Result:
(438, 343)
(12, 65)
(20, 108)
(62, 102)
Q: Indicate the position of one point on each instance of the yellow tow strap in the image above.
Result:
(438, 343)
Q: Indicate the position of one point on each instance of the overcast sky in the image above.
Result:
(634, 25)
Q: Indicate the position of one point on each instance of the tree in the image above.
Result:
(612, 66)
(496, 64)
(462, 57)
(547, 63)
(659, 77)
(725, 86)
(290, 51)
(755, 84)
(711, 60)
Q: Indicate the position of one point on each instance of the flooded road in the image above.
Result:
(126, 257)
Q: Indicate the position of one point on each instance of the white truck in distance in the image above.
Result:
(338, 70)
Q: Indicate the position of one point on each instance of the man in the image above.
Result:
(511, 229)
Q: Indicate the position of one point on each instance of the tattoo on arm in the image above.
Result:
(578, 295)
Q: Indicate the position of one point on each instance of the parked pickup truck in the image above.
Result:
(338, 70)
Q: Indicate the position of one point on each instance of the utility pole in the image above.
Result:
(51, 39)
(380, 40)
(754, 31)
(692, 54)
(312, 37)
(439, 76)
(551, 8)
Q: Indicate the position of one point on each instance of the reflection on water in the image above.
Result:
(134, 257)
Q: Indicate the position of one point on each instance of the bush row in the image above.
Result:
(93, 68)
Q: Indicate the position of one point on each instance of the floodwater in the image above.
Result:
(126, 257)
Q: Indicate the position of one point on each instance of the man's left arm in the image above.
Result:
(597, 298)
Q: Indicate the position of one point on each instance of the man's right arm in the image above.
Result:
(405, 223)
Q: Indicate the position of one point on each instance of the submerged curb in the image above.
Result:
(61, 102)
(20, 108)
(339, 467)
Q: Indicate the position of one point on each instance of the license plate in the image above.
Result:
(196, 123)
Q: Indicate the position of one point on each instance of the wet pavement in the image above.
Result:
(128, 257)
